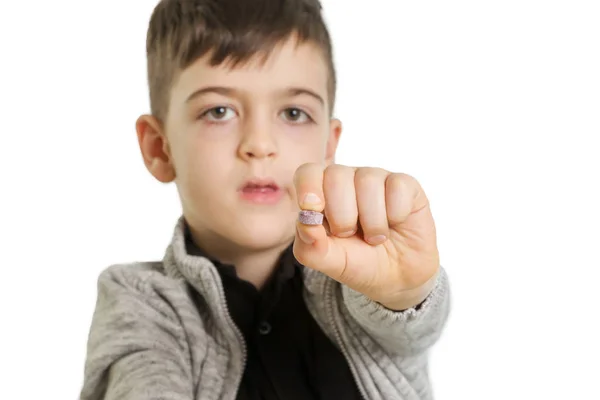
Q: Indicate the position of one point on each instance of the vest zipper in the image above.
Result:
(329, 304)
(237, 332)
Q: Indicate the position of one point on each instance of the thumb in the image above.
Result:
(309, 227)
(312, 243)
(315, 249)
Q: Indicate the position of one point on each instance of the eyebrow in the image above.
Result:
(297, 91)
(227, 91)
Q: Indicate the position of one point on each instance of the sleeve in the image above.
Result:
(136, 346)
(405, 333)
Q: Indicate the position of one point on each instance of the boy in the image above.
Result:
(252, 301)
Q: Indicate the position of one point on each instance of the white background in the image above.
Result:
(493, 106)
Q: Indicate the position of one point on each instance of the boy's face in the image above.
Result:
(233, 139)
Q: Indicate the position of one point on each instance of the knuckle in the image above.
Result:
(307, 170)
(407, 180)
(336, 175)
(368, 176)
(336, 169)
(395, 181)
(401, 181)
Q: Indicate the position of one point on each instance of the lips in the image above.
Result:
(260, 186)
(261, 191)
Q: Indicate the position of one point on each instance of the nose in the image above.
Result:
(258, 141)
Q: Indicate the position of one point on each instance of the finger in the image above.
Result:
(340, 200)
(315, 250)
(326, 226)
(371, 199)
(308, 182)
(312, 246)
(401, 190)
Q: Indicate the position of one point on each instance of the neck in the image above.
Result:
(253, 265)
(258, 268)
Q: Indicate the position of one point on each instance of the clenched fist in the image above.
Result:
(378, 236)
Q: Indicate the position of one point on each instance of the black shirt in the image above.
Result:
(289, 356)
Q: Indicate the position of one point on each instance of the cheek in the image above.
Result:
(202, 167)
(305, 145)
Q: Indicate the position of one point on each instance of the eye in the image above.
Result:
(219, 114)
(296, 115)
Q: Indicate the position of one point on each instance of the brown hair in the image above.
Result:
(181, 31)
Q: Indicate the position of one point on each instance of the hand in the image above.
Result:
(378, 236)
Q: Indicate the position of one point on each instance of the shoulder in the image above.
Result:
(136, 275)
(145, 281)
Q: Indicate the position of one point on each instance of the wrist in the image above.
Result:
(411, 298)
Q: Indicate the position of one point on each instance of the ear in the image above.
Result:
(155, 148)
(335, 130)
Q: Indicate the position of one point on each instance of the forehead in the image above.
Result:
(290, 64)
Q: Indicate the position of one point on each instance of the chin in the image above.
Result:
(263, 233)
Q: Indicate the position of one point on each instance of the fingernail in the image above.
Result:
(311, 199)
(379, 239)
(346, 234)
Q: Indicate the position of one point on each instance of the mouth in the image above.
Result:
(264, 191)
(257, 185)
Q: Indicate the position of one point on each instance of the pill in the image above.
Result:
(310, 217)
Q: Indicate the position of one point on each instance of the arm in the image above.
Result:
(136, 347)
(404, 333)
